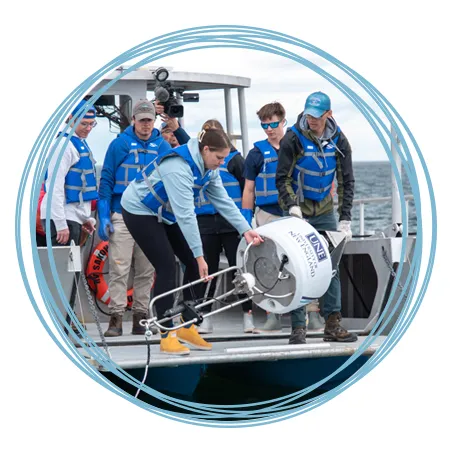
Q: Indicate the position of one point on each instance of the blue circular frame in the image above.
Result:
(252, 38)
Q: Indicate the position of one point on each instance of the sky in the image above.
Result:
(49, 48)
(273, 78)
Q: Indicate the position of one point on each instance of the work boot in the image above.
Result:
(189, 335)
(138, 328)
(170, 345)
(206, 327)
(115, 326)
(273, 324)
(298, 336)
(249, 326)
(335, 332)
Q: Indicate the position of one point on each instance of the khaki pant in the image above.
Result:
(124, 254)
(263, 217)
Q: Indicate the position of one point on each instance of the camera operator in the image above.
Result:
(170, 128)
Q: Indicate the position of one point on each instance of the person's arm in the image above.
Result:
(68, 159)
(178, 181)
(248, 195)
(181, 135)
(226, 207)
(345, 179)
(287, 157)
(173, 124)
(252, 167)
(108, 175)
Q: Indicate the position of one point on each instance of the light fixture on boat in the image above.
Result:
(161, 74)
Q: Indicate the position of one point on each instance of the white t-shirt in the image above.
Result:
(61, 211)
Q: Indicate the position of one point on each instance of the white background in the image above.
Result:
(48, 48)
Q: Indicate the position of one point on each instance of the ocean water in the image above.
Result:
(373, 179)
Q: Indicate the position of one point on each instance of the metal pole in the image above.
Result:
(361, 219)
(179, 98)
(396, 207)
(228, 112)
(243, 121)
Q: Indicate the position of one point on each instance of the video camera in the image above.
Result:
(165, 94)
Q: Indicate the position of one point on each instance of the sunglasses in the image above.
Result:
(271, 125)
(88, 124)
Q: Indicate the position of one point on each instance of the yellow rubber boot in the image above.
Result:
(171, 345)
(189, 335)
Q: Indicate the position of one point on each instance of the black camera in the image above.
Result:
(165, 94)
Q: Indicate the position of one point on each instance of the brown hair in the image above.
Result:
(213, 138)
(212, 124)
(271, 109)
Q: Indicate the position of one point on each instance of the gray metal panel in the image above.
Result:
(189, 81)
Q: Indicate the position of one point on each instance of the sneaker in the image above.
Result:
(249, 326)
(298, 336)
(315, 321)
(335, 332)
(170, 345)
(115, 326)
(206, 327)
(273, 324)
(189, 335)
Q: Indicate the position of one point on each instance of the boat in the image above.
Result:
(370, 274)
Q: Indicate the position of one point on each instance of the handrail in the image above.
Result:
(362, 201)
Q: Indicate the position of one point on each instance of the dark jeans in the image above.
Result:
(331, 300)
(160, 243)
(212, 248)
(74, 233)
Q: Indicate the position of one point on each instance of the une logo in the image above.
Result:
(317, 246)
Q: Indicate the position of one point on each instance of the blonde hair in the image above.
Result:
(212, 124)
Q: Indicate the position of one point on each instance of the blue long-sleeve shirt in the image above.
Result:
(181, 135)
(117, 151)
(178, 181)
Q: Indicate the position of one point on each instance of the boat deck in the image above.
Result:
(230, 344)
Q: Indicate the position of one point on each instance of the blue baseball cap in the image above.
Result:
(316, 104)
(90, 113)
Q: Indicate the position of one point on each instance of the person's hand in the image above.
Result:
(159, 109)
(345, 227)
(203, 268)
(104, 216)
(248, 215)
(295, 211)
(105, 229)
(251, 236)
(62, 236)
(171, 122)
(89, 227)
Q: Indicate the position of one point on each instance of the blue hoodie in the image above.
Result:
(118, 151)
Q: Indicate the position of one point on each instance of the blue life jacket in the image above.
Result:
(81, 183)
(157, 199)
(265, 189)
(138, 158)
(231, 185)
(314, 172)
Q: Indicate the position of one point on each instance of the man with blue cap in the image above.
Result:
(313, 154)
(75, 182)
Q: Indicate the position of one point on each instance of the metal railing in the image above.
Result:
(362, 201)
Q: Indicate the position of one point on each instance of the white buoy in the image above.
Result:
(305, 276)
